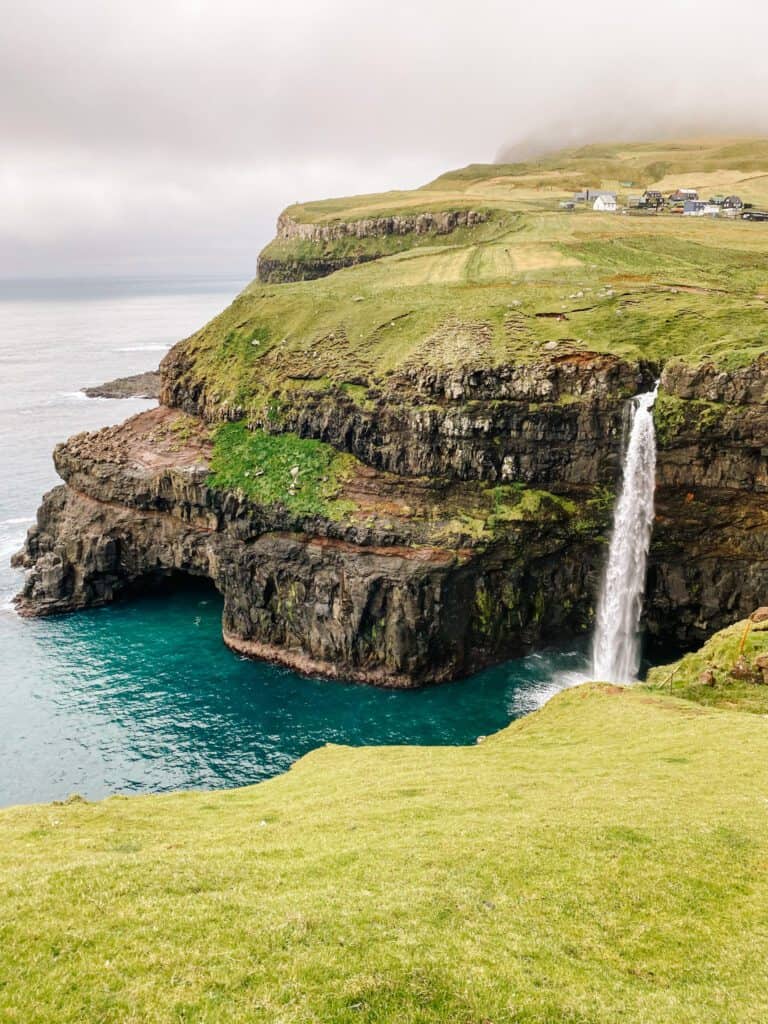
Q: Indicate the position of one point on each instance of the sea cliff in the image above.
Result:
(403, 468)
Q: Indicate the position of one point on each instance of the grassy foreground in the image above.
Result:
(602, 860)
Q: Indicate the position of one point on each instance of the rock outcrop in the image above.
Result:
(428, 223)
(394, 599)
(138, 385)
(326, 248)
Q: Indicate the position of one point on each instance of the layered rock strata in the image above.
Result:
(392, 598)
(426, 579)
(709, 556)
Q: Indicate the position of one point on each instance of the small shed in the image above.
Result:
(606, 203)
(733, 203)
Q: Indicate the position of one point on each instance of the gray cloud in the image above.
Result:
(155, 136)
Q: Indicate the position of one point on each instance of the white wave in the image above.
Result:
(17, 521)
(70, 396)
(534, 697)
(11, 540)
(8, 547)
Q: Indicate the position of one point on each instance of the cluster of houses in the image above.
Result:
(685, 201)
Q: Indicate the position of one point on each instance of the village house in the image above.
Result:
(700, 208)
(589, 195)
(653, 198)
(683, 195)
(605, 203)
(733, 203)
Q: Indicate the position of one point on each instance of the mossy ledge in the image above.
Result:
(402, 470)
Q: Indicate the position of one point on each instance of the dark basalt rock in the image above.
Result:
(277, 271)
(386, 600)
(709, 556)
(381, 606)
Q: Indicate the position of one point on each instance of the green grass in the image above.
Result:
(600, 861)
(714, 675)
(260, 465)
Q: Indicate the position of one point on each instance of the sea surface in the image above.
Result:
(144, 696)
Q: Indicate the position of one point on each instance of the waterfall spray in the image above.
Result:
(616, 643)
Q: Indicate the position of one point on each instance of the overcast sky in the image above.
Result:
(165, 136)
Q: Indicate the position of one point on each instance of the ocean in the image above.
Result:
(143, 696)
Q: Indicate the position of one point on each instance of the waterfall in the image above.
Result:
(616, 643)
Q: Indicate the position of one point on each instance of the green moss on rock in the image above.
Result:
(305, 476)
(726, 672)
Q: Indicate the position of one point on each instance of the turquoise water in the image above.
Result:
(144, 696)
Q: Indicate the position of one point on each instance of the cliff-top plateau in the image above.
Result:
(395, 453)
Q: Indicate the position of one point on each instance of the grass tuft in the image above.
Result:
(724, 673)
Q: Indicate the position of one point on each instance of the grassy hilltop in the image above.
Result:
(602, 860)
(529, 276)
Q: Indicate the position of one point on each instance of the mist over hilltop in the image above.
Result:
(142, 137)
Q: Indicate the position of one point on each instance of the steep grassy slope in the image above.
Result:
(601, 860)
(590, 282)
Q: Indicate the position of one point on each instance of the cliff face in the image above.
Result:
(438, 223)
(398, 597)
(550, 423)
(408, 588)
(709, 559)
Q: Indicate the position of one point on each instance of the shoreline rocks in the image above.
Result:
(139, 385)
